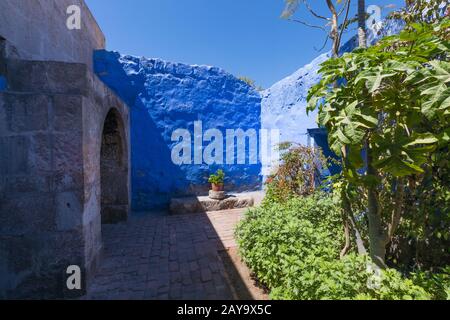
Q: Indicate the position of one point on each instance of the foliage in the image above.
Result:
(251, 83)
(217, 178)
(391, 285)
(297, 173)
(248, 81)
(394, 106)
(387, 111)
(438, 284)
(275, 239)
(423, 238)
(428, 11)
(325, 279)
(293, 248)
(403, 89)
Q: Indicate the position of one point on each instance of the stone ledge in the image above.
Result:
(190, 205)
(51, 77)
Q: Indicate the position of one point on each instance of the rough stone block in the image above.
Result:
(67, 179)
(14, 153)
(26, 184)
(26, 113)
(40, 154)
(27, 213)
(69, 211)
(68, 152)
(67, 112)
(47, 77)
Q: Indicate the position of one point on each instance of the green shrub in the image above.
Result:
(392, 286)
(297, 172)
(324, 279)
(276, 239)
(437, 284)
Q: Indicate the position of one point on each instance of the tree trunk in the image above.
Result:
(398, 208)
(359, 240)
(362, 32)
(346, 248)
(377, 234)
(334, 33)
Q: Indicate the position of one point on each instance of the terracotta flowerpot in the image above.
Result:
(217, 187)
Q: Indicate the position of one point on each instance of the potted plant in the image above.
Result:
(217, 180)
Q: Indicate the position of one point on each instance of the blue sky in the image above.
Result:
(245, 37)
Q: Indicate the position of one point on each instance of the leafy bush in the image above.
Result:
(276, 239)
(437, 284)
(391, 285)
(348, 279)
(297, 173)
(293, 248)
(324, 279)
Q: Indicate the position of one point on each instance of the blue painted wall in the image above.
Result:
(165, 96)
(2, 83)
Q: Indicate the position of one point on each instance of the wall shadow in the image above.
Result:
(159, 104)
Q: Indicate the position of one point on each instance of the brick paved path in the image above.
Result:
(166, 257)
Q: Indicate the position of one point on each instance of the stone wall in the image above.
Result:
(51, 123)
(37, 29)
(166, 96)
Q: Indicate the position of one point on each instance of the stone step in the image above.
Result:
(202, 204)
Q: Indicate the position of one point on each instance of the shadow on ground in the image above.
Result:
(158, 257)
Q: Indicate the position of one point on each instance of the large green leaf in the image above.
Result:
(374, 78)
(441, 70)
(420, 139)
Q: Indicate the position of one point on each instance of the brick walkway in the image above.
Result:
(166, 257)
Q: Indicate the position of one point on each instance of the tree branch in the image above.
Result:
(308, 24)
(343, 8)
(344, 24)
(307, 5)
(324, 45)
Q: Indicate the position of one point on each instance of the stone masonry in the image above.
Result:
(51, 122)
(64, 150)
(37, 29)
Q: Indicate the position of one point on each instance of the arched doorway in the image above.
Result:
(114, 170)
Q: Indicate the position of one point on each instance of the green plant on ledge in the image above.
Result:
(217, 180)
